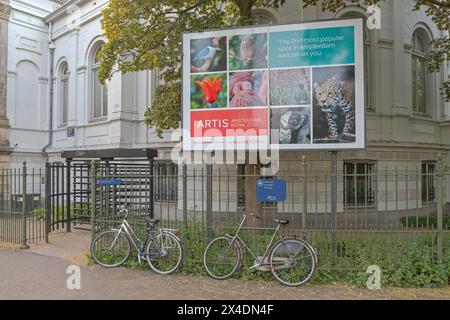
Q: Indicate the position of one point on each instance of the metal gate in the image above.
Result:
(22, 208)
(69, 198)
(68, 195)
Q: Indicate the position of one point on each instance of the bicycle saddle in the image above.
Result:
(280, 221)
(153, 221)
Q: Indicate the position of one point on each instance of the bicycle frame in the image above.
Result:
(238, 239)
(128, 230)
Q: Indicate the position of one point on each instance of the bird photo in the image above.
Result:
(248, 51)
(208, 55)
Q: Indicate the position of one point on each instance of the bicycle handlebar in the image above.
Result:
(123, 209)
(254, 215)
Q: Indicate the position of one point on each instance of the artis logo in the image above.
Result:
(374, 19)
(374, 281)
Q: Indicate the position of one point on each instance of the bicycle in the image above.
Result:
(162, 248)
(291, 261)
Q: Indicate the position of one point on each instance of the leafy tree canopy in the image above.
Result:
(146, 34)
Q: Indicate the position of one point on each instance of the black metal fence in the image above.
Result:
(381, 211)
(22, 205)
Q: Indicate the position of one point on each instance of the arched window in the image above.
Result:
(419, 50)
(262, 16)
(99, 92)
(64, 92)
(367, 55)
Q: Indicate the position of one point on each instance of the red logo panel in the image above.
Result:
(229, 123)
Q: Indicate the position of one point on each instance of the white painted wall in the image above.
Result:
(27, 101)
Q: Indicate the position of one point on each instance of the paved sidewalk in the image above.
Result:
(40, 273)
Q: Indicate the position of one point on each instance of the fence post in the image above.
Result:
(93, 186)
(305, 192)
(185, 196)
(23, 238)
(209, 187)
(151, 164)
(333, 200)
(68, 207)
(47, 200)
(440, 208)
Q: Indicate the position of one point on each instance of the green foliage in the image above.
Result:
(39, 213)
(60, 211)
(425, 221)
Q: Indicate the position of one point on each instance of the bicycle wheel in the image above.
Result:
(164, 254)
(292, 262)
(110, 248)
(222, 258)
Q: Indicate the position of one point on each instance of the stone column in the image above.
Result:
(5, 149)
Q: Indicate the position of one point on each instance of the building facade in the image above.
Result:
(51, 99)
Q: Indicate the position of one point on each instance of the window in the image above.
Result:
(64, 92)
(419, 73)
(166, 182)
(359, 183)
(99, 92)
(262, 17)
(428, 187)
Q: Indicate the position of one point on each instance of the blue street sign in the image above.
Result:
(70, 132)
(271, 190)
(109, 182)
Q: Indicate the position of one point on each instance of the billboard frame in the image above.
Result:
(360, 61)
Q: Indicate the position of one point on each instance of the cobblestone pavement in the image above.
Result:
(40, 273)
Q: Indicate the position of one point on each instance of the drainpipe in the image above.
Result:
(52, 59)
(302, 11)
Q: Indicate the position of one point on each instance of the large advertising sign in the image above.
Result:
(295, 87)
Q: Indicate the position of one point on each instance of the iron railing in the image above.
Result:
(385, 212)
(22, 206)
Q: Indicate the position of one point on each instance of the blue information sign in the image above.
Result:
(271, 190)
(109, 182)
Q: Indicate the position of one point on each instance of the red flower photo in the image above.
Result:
(210, 88)
(209, 91)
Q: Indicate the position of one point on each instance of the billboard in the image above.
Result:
(295, 87)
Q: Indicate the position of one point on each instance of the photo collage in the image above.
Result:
(304, 104)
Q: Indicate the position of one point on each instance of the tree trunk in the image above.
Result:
(252, 171)
(252, 175)
(245, 11)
